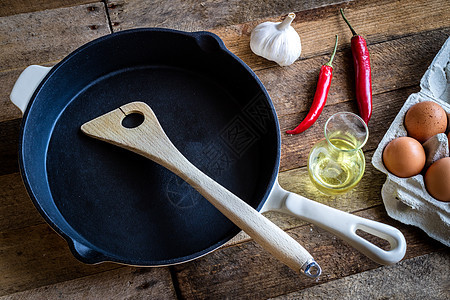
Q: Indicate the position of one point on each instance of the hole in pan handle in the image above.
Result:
(149, 140)
(341, 224)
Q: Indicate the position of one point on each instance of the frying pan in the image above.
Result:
(113, 205)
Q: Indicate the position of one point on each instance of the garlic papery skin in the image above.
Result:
(277, 41)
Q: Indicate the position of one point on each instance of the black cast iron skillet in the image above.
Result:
(113, 205)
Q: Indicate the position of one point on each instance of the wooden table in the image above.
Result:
(403, 37)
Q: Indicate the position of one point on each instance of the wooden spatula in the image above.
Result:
(149, 140)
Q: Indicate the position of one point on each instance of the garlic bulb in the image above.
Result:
(277, 41)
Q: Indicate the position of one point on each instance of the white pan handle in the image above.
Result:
(26, 84)
(343, 225)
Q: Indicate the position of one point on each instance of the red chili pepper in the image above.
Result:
(361, 62)
(320, 97)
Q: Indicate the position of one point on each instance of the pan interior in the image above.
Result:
(131, 209)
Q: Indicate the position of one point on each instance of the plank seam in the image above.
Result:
(175, 283)
(108, 17)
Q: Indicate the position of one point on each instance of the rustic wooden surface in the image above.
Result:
(403, 37)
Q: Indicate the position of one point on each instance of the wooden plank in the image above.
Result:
(316, 27)
(423, 277)
(395, 64)
(301, 176)
(49, 35)
(35, 256)
(13, 7)
(17, 209)
(292, 88)
(123, 283)
(200, 15)
(246, 271)
(56, 269)
(24, 252)
(21, 221)
(392, 70)
(377, 21)
(301, 76)
(8, 110)
(9, 146)
(295, 149)
(242, 269)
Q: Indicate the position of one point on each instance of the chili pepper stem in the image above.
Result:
(348, 23)
(333, 54)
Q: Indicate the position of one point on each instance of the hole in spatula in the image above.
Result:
(133, 120)
(377, 241)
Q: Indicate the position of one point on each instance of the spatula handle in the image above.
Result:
(148, 139)
(263, 231)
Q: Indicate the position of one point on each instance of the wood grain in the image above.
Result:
(49, 35)
(395, 64)
(16, 208)
(13, 7)
(240, 270)
(245, 271)
(421, 277)
(14, 199)
(295, 149)
(200, 15)
(122, 283)
(291, 88)
(9, 110)
(403, 37)
(377, 21)
(35, 256)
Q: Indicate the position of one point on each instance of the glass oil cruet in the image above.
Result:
(336, 164)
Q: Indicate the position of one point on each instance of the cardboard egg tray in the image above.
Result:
(406, 199)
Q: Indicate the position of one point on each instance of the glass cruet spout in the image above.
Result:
(336, 164)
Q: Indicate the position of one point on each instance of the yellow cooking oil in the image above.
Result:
(335, 166)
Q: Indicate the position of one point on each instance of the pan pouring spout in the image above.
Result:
(149, 140)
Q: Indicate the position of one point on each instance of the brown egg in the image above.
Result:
(437, 179)
(424, 120)
(404, 157)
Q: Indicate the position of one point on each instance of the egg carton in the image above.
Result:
(406, 199)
